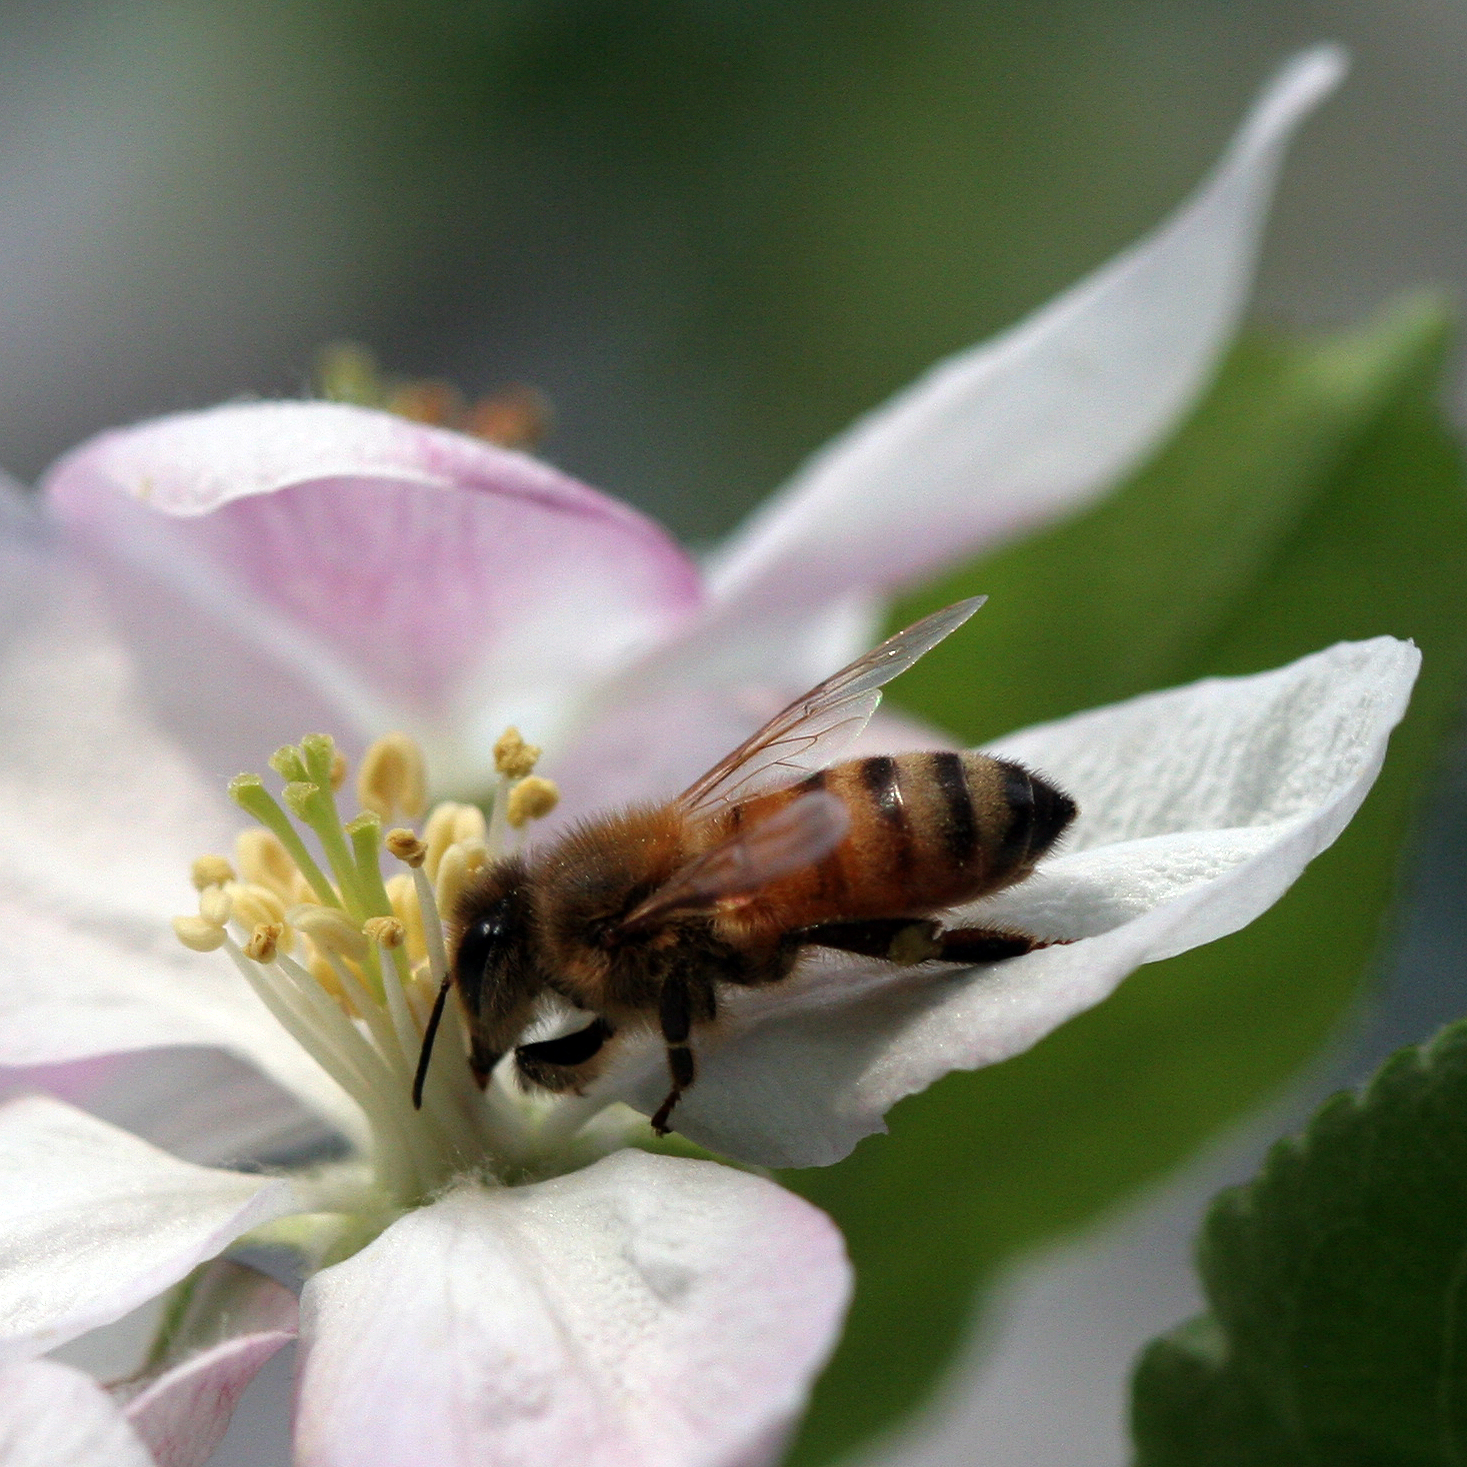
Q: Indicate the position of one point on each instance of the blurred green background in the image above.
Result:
(713, 233)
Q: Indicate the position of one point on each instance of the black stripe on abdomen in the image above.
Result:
(959, 827)
(879, 775)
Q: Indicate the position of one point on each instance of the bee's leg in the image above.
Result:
(897, 939)
(987, 944)
(909, 940)
(675, 1012)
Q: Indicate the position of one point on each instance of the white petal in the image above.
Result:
(1199, 807)
(94, 1222)
(1037, 421)
(183, 1412)
(105, 815)
(54, 1416)
(646, 1311)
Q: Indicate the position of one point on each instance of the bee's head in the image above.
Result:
(494, 961)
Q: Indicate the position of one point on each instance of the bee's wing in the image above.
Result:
(809, 733)
(798, 835)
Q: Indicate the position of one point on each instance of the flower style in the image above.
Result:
(504, 1278)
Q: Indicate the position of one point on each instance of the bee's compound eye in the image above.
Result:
(481, 937)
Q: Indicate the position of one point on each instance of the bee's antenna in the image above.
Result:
(429, 1035)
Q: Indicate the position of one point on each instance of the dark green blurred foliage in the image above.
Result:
(716, 231)
(1314, 496)
(1336, 1282)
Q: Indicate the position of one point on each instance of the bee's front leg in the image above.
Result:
(675, 1013)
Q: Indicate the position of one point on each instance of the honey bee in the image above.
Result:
(640, 917)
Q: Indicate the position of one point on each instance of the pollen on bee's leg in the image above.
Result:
(393, 776)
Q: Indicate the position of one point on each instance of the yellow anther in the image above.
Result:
(338, 770)
(199, 934)
(211, 871)
(385, 931)
(469, 824)
(513, 757)
(264, 861)
(264, 941)
(531, 799)
(324, 974)
(255, 904)
(216, 905)
(393, 777)
(438, 834)
(402, 892)
(453, 876)
(405, 845)
(330, 929)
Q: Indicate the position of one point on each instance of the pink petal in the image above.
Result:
(182, 1412)
(54, 1416)
(1034, 423)
(645, 1312)
(94, 1222)
(416, 575)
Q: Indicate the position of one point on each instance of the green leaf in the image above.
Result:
(1338, 1285)
(1314, 496)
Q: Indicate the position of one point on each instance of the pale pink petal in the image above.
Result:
(645, 1312)
(54, 1416)
(94, 1222)
(105, 815)
(417, 576)
(236, 1319)
(1023, 428)
(1199, 807)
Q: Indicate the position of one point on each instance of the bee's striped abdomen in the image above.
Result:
(928, 831)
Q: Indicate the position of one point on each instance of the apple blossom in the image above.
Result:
(500, 1277)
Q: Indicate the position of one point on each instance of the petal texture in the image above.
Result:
(1037, 421)
(181, 1412)
(94, 1222)
(420, 577)
(54, 1416)
(1199, 808)
(645, 1312)
(106, 814)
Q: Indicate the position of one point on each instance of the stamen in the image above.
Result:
(513, 757)
(255, 904)
(216, 905)
(386, 932)
(406, 846)
(438, 833)
(532, 799)
(454, 871)
(263, 942)
(211, 871)
(331, 930)
(197, 933)
(393, 777)
(338, 771)
(263, 861)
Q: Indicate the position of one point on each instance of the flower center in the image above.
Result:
(351, 962)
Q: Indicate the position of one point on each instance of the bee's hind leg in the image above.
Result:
(909, 940)
(675, 1013)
